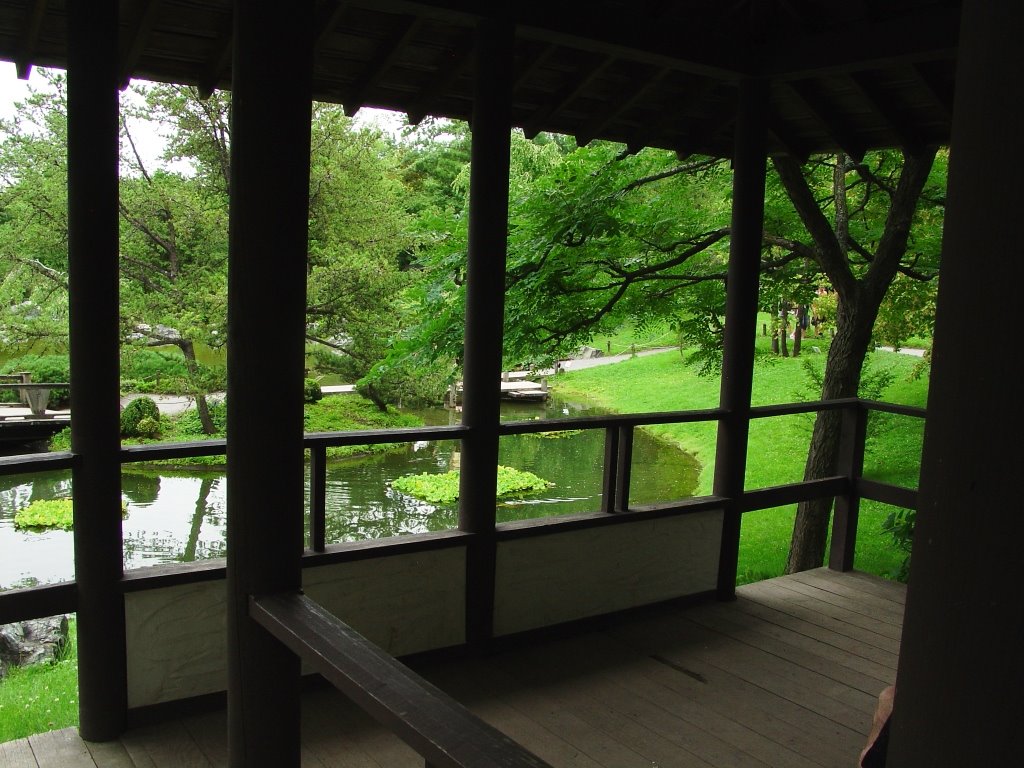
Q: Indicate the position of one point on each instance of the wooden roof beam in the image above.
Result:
(460, 58)
(785, 139)
(27, 49)
(896, 123)
(825, 115)
(623, 101)
(564, 98)
(138, 35)
(219, 65)
(928, 34)
(388, 51)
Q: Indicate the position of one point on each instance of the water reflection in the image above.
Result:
(179, 517)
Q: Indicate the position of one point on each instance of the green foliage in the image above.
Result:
(44, 369)
(557, 434)
(443, 489)
(42, 697)
(157, 371)
(187, 425)
(52, 513)
(351, 413)
(311, 391)
(139, 410)
(61, 441)
(900, 525)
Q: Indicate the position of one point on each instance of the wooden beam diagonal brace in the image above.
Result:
(29, 38)
(327, 20)
(895, 122)
(218, 65)
(565, 97)
(386, 55)
(939, 92)
(459, 59)
(138, 35)
(826, 116)
(623, 102)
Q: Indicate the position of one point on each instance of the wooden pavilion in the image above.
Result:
(743, 79)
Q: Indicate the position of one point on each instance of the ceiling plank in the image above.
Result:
(138, 35)
(564, 97)
(29, 38)
(327, 20)
(680, 113)
(387, 52)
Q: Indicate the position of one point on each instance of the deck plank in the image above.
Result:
(60, 749)
(785, 676)
(17, 754)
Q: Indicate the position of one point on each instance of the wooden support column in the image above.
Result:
(958, 691)
(749, 167)
(485, 309)
(95, 377)
(270, 143)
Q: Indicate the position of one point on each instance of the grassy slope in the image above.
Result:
(778, 447)
(40, 698)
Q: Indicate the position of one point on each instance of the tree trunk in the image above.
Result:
(798, 331)
(842, 379)
(784, 331)
(192, 366)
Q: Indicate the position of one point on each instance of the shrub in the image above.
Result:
(138, 410)
(44, 368)
(311, 391)
(148, 427)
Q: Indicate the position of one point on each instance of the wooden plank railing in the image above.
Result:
(430, 721)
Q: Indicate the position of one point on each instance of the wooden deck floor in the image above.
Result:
(787, 675)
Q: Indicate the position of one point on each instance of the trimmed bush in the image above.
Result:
(140, 410)
(311, 391)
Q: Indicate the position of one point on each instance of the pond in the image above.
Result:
(178, 516)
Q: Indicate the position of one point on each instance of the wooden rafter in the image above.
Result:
(789, 143)
(644, 136)
(939, 92)
(387, 52)
(535, 63)
(564, 97)
(218, 66)
(30, 36)
(826, 116)
(895, 122)
(327, 21)
(622, 103)
(459, 58)
(138, 34)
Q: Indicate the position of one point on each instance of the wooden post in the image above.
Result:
(749, 167)
(847, 510)
(958, 690)
(624, 468)
(485, 306)
(608, 478)
(317, 498)
(271, 111)
(95, 337)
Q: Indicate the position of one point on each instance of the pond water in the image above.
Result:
(180, 516)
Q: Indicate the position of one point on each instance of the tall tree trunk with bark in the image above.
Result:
(859, 299)
(192, 366)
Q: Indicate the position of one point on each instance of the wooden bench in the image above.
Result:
(430, 721)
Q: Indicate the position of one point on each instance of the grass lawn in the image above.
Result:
(778, 446)
(41, 698)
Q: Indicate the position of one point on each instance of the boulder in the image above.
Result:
(588, 353)
(32, 642)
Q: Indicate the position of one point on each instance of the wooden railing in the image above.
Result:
(848, 486)
(357, 667)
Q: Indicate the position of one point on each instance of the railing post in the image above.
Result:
(625, 467)
(485, 307)
(749, 169)
(847, 509)
(317, 498)
(94, 344)
(608, 478)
